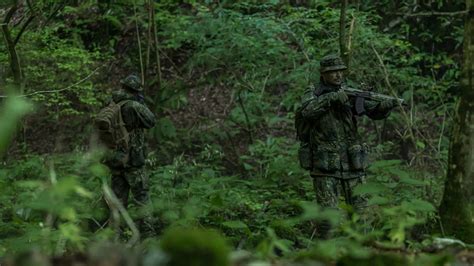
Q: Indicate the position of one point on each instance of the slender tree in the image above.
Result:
(11, 45)
(457, 206)
(342, 31)
(12, 41)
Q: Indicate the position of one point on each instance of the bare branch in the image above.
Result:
(115, 204)
(349, 41)
(14, 59)
(23, 28)
(10, 14)
(432, 13)
(342, 31)
(60, 90)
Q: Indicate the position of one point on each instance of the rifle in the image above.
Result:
(361, 95)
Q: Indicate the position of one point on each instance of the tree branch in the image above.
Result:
(14, 59)
(10, 14)
(431, 13)
(115, 204)
(140, 53)
(53, 91)
(349, 41)
(23, 28)
(342, 31)
(157, 50)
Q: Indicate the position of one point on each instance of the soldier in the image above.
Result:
(127, 165)
(332, 149)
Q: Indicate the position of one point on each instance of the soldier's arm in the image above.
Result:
(137, 115)
(313, 106)
(375, 110)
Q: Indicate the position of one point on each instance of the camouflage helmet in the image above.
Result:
(133, 82)
(330, 63)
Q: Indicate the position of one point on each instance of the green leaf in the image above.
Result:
(235, 224)
(412, 181)
(369, 188)
(385, 163)
(378, 200)
(83, 192)
(248, 166)
(216, 200)
(209, 173)
(11, 113)
(166, 127)
(238, 225)
(397, 234)
(420, 145)
(419, 205)
(398, 172)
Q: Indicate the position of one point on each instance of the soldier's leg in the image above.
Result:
(326, 191)
(138, 181)
(120, 187)
(327, 196)
(140, 191)
(359, 202)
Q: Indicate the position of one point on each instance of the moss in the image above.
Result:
(194, 247)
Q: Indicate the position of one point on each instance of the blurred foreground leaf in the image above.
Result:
(11, 111)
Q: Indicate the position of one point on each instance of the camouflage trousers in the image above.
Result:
(130, 179)
(331, 191)
(134, 180)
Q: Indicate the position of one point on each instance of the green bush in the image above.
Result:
(195, 247)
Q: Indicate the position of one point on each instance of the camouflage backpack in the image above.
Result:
(303, 131)
(303, 128)
(111, 128)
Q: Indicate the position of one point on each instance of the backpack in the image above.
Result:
(305, 153)
(302, 126)
(303, 130)
(111, 128)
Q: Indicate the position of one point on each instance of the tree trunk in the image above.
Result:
(157, 51)
(342, 31)
(457, 206)
(11, 47)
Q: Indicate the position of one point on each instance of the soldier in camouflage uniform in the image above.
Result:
(338, 156)
(136, 117)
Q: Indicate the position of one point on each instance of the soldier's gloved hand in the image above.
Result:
(388, 104)
(338, 97)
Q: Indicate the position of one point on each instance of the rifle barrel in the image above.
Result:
(371, 95)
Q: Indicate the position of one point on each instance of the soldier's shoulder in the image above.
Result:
(132, 105)
(310, 93)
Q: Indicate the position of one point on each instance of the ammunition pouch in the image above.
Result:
(327, 159)
(358, 157)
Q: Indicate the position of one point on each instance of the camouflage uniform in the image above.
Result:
(339, 157)
(136, 117)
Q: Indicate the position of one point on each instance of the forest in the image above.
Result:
(224, 81)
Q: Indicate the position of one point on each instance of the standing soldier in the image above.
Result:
(127, 116)
(331, 148)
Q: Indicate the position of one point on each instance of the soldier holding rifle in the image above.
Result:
(331, 148)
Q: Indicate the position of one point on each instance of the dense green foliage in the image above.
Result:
(223, 154)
